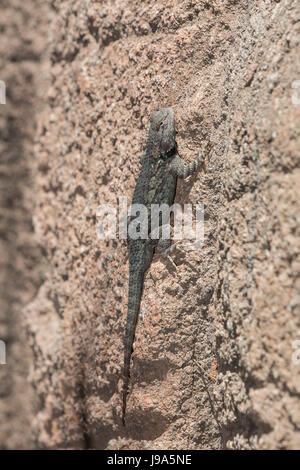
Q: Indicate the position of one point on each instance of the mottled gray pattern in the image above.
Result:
(156, 184)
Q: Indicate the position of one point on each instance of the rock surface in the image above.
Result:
(22, 44)
(215, 362)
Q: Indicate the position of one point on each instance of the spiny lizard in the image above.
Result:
(156, 184)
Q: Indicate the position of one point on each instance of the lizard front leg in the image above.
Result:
(179, 169)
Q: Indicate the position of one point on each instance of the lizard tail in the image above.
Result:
(136, 280)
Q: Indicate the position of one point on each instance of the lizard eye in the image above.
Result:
(169, 153)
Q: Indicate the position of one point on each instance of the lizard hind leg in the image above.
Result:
(164, 248)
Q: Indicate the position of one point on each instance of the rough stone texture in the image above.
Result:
(212, 363)
(22, 34)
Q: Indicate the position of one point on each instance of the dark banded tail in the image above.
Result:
(136, 281)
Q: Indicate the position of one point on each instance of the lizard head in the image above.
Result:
(161, 140)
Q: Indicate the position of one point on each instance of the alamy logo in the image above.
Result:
(296, 353)
(296, 92)
(2, 92)
(2, 352)
(135, 222)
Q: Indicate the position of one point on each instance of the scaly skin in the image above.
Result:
(161, 165)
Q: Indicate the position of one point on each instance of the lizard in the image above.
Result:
(156, 184)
